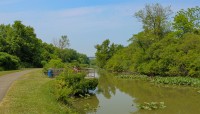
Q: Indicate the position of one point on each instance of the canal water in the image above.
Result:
(121, 96)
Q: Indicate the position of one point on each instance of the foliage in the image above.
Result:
(154, 18)
(70, 83)
(153, 54)
(48, 52)
(152, 105)
(105, 51)
(61, 43)
(54, 63)
(8, 62)
(177, 81)
(92, 62)
(187, 21)
(120, 62)
(20, 40)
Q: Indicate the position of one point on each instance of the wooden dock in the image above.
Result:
(90, 72)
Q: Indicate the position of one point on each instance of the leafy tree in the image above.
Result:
(61, 43)
(83, 59)
(67, 55)
(105, 51)
(154, 19)
(187, 21)
(152, 55)
(121, 61)
(21, 41)
(48, 52)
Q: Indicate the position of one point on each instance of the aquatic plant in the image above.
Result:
(152, 105)
(88, 107)
(187, 81)
(195, 82)
(128, 76)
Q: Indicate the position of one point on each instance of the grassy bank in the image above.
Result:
(13, 71)
(8, 72)
(31, 94)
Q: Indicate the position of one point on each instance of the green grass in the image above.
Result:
(31, 94)
(8, 72)
(13, 71)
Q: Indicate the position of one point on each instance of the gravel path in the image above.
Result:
(7, 80)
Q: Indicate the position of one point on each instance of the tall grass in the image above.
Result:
(31, 94)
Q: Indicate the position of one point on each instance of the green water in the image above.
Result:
(121, 96)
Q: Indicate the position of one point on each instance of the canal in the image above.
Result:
(121, 96)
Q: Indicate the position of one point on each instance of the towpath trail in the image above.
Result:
(7, 80)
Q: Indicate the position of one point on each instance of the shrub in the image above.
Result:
(70, 83)
(9, 62)
(53, 63)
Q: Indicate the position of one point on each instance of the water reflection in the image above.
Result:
(86, 106)
(120, 103)
(120, 96)
(106, 84)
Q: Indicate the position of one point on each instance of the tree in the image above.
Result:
(187, 21)
(154, 18)
(61, 43)
(102, 53)
(21, 41)
(105, 51)
(83, 59)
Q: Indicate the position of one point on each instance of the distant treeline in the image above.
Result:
(20, 47)
(163, 48)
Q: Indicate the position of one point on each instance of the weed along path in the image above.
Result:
(7, 80)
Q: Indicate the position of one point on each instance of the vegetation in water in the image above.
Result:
(195, 82)
(152, 105)
(88, 107)
(133, 76)
(187, 81)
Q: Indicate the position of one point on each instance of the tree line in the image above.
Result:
(20, 47)
(167, 46)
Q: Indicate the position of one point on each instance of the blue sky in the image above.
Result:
(85, 22)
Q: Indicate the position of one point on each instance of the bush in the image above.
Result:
(70, 83)
(9, 62)
(53, 63)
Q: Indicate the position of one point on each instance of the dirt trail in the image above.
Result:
(7, 80)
